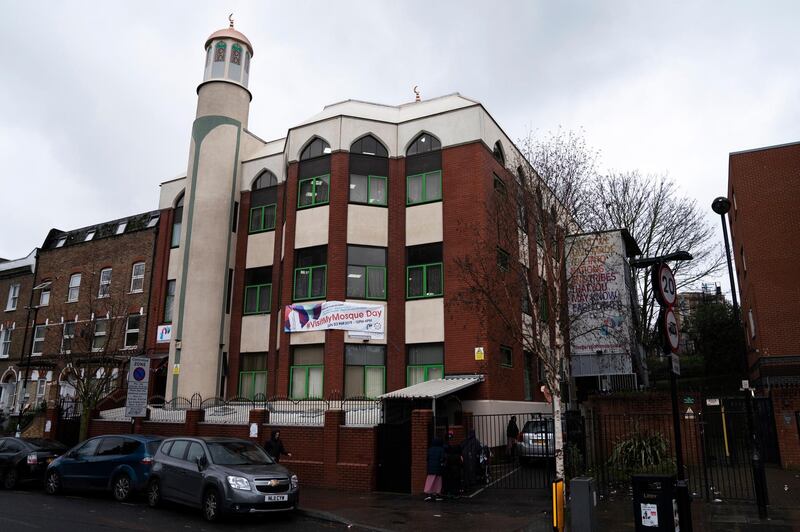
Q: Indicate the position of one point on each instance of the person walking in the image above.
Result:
(436, 461)
(274, 446)
(512, 431)
(470, 454)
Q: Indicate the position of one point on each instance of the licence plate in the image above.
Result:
(275, 498)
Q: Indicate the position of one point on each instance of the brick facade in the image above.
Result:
(765, 235)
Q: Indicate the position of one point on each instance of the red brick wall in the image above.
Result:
(420, 428)
(16, 319)
(331, 456)
(396, 278)
(158, 288)
(766, 223)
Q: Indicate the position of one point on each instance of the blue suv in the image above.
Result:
(120, 464)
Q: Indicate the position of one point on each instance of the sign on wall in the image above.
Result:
(138, 379)
(164, 334)
(340, 315)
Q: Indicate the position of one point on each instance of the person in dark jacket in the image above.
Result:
(452, 468)
(470, 453)
(274, 446)
(436, 460)
(511, 435)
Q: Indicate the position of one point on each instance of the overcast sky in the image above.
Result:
(98, 97)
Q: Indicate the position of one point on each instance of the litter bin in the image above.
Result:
(654, 503)
(583, 499)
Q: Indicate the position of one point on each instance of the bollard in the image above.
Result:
(558, 506)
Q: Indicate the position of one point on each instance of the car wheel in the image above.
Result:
(52, 484)
(154, 494)
(122, 487)
(211, 505)
(11, 478)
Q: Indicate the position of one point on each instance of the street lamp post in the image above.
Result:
(722, 206)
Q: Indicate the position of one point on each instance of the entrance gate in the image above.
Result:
(68, 427)
(526, 462)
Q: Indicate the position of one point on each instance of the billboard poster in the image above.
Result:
(599, 305)
(367, 320)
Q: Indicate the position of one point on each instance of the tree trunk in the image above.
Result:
(84, 430)
(557, 429)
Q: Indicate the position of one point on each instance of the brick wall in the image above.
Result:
(420, 430)
(786, 405)
(765, 223)
(15, 319)
(330, 456)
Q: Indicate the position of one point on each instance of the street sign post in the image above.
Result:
(138, 379)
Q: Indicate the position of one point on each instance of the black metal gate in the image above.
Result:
(524, 462)
(68, 427)
(394, 457)
(764, 419)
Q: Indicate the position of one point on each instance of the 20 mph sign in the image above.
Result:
(664, 283)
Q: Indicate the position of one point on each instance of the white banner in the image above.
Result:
(359, 318)
(138, 377)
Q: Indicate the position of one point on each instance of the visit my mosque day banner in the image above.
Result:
(359, 318)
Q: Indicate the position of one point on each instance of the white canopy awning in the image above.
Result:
(435, 388)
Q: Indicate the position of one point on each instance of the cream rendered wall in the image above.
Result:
(355, 128)
(452, 128)
(424, 224)
(328, 130)
(260, 249)
(311, 227)
(170, 190)
(425, 320)
(368, 226)
(305, 338)
(255, 333)
(175, 262)
(251, 169)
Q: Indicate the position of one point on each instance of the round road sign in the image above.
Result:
(664, 283)
(139, 374)
(669, 324)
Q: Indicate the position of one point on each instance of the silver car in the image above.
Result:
(536, 440)
(220, 475)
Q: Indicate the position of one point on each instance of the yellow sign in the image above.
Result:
(176, 369)
(479, 355)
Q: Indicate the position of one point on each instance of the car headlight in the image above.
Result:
(239, 483)
(294, 481)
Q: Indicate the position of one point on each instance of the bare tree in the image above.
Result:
(661, 220)
(515, 275)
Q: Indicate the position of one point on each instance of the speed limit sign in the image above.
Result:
(669, 323)
(664, 284)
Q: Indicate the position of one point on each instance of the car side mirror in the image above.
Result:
(202, 462)
(72, 454)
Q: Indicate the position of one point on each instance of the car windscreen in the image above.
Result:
(40, 444)
(238, 453)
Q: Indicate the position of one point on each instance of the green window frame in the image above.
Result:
(425, 196)
(506, 357)
(262, 293)
(259, 221)
(425, 293)
(306, 369)
(314, 200)
(364, 371)
(310, 283)
(370, 200)
(369, 292)
(427, 368)
(251, 376)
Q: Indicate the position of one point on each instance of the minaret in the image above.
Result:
(207, 240)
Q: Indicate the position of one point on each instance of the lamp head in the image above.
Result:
(721, 205)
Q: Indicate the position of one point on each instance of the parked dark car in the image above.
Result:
(25, 459)
(221, 475)
(120, 464)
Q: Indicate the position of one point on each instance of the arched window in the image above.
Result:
(264, 180)
(423, 144)
(369, 169)
(424, 170)
(369, 145)
(315, 148)
(498, 153)
(235, 67)
(263, 203)
(314, 174)
(218, 66)
(177, 222)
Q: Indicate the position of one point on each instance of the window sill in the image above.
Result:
(300, 207)
(365, 204)
(312, 298)
(36, 354)
(11, 309)
(136, 292)
(412, 298)
(130, 347)
(256, 313)
(73, 301)
(414, 204)
(104, 297)
(509, 366)
(174, 247)
(3, 357)
(260, 231)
